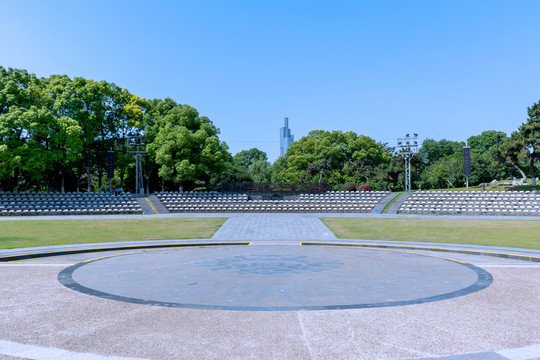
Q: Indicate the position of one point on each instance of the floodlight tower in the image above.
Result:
(408, 146)
(137, 147)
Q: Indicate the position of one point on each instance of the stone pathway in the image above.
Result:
(273, 227)
(395, 206)
(382, 204)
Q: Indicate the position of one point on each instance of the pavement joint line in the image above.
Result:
(411, 247)
(31, 264)
(39, 262)
(46, 353)
(34, 352)
(105, 257)
(18, 257)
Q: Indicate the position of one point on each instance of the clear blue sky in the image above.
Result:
(444, 69)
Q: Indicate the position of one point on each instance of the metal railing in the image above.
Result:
(270, 187)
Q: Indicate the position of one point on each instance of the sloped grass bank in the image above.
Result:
(29, 233)
(509, 233)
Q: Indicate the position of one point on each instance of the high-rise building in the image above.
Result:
(285, 138)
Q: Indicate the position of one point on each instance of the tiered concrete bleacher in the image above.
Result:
(17, 204)
(335, 201)
(523, 203)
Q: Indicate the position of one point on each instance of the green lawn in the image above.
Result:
(511, 233)
(490, 187)
(29, 233)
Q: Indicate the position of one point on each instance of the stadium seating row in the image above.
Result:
(218, 202)
(17, 204)
(472, 203)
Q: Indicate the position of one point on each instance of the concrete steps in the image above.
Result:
(158, 206)
(147, 210)
(382, 204)
(397, 204)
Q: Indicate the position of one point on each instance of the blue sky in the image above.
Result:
(443, 69)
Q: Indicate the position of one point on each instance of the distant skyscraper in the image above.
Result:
(285, 138)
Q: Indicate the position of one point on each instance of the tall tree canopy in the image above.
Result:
(246, 158)
(333, 157)
(55, 133)
(530, 134)
(187, 147)
(255, 163)
(58, 130)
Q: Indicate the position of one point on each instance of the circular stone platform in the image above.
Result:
(275, 278)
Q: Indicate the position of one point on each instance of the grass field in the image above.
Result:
(18, 234)
(511, 233)
(490, 187)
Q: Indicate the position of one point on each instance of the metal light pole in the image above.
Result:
(407, 147)
(137, 148)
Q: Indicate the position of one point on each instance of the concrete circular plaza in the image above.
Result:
(269, 286)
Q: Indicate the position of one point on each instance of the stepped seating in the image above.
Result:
(335, 201)
(522, 203)
(18, 204)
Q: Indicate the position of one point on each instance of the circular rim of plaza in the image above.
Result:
(265, 264)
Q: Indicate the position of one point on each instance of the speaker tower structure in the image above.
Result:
(137, 147)
(408, 146)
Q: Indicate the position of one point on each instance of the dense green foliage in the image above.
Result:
(55, 133)
(334, 158)
(254, 163)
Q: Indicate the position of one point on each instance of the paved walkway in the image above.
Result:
(397, 204)
(382, 204)
(273, 227)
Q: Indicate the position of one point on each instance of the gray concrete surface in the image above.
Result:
(42, 319)
(161, 209)
(274, 277)
(227, 215)
(273, 227)
(382, 204)
(145, 206)
(397, 204)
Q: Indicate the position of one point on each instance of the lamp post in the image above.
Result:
(483, 183)
(407, 147)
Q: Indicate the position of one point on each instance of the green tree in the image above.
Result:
(255, 163)
(445, 172)
(279, 166)
(156, 109)
(482, 148)
(187, 147)
(127, 115)
(432, 150)
(20, 120)
(260, 171)
(487, 140)
(333, 157)
(530, 134)
(65, 130)
(510, 153)
(246, 158)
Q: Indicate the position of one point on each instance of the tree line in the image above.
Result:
(55, 133)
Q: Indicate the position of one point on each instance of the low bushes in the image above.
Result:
(365, 187)
(349, 186)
